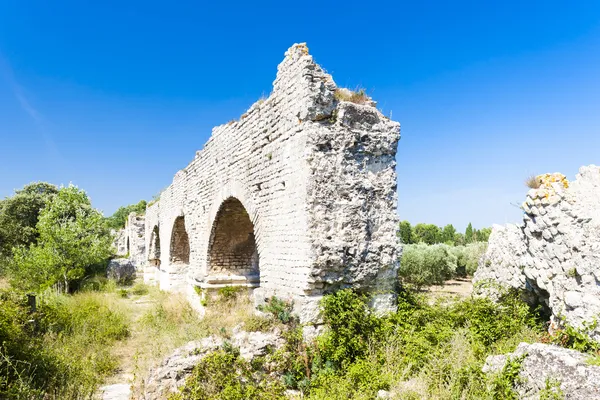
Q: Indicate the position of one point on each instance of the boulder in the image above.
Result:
(549, 368)
(172, 372)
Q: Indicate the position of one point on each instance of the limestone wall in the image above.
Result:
(297, 197)
(555, 253)
(131, 240)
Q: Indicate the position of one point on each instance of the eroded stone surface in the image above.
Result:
(131, 240)
(555, 253)
(546, 366)
(173, 370)
(297, 198)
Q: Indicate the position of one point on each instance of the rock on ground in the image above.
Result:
(546, 364)
(173, 370)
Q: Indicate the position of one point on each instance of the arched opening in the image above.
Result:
(232, 246)
(127, 244)
(180, 243)
(154, 250)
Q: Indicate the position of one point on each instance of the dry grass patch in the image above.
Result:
(358, 96)
(533, 182)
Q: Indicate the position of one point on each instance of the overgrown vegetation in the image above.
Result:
(60, 351)
(119, 218)
(421, 351)
(433, 234)
(72, 242)
(424, 265)
(358, 96)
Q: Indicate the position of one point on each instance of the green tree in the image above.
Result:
(118, 219)
(73, 240)
(427, 233)
(459, 239)
(483, 235)
(448, 234)
(19, 216)
(406, 232)
(469, 234)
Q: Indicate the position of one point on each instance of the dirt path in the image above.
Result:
(459, 288)
(118, 386)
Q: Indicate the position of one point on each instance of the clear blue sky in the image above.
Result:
(116, 97)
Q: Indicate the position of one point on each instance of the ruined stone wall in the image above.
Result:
(316, 179)
(132, 240)
(555, 253)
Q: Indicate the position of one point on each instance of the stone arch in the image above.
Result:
(154, 248)
(232, 247)
(180, 243)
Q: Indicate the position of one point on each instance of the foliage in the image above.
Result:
(469, 234)
(119, 218)
(73, 242)
(422, 264)
(503, 384)
(405, 232)
(228, 293)
(351, 324)
(62, 351)
(551, 390)
(574, 338)
(467, 257)
(432, 234)
(448, 234)
(280, 309)
(19, 216)
(225, 375)
(427, 233)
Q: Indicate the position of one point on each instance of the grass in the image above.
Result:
(358, 96)
(533, 182)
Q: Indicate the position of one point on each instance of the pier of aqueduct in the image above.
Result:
(297, 198)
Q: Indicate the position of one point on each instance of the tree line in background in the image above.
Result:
(119, 218)
(432, 255)
(433, 234)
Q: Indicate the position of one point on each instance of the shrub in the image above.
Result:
(423, 265)
(351, 325)
(280, 309)
(225, 375)
(228, 293)
(358, 96)
(533, 182)
(467, 257)
(65, 354)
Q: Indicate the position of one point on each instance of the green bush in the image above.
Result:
(62, 351)
(423, 264)
(229, 293)
(280, 309)
(225, 375)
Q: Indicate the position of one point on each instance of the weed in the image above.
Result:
(229, 293)
(280, 309)
(533, 182)
(358, 96)
(551, 390)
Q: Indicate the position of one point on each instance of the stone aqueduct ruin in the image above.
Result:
(295, 199)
